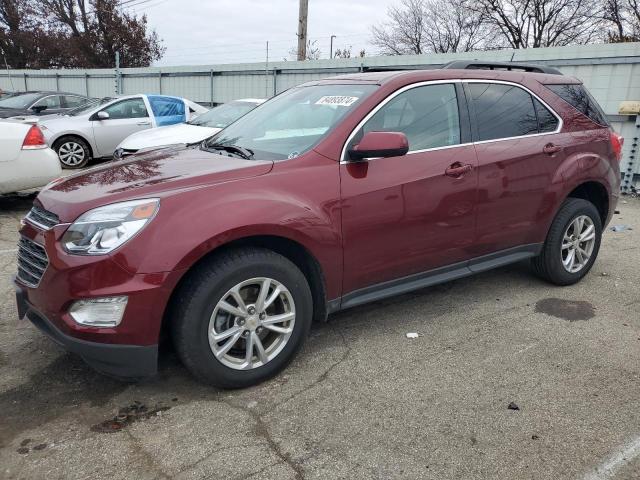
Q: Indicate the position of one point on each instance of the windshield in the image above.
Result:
(293, 122)
(90, 105)
(19, 101)
(220, 117)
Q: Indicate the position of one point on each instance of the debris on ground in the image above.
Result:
(513, 406)
(413, 335)
(128, 415)
(534, 437)
(620, 228)
(604, 274)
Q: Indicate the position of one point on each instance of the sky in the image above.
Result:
(236, 31)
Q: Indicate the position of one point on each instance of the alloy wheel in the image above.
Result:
(578, 242)
(71, 154)
(251, 323)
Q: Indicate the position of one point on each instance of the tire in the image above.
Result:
(550, 264)
(197, 311)
(73, 152)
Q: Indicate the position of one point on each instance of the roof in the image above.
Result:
(382, 77)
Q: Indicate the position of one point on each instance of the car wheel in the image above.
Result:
(72, 152)
(240, 318)
(572, 243)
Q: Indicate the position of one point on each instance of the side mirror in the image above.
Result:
(39, 108)
(102, 115)
(380, 144)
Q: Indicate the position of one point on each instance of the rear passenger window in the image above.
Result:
(502, 111)
(547, 121)
(578, 97)
(427, 115)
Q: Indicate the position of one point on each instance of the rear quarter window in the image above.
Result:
(578, 97)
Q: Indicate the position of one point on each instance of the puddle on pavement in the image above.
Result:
(127, 415)
(51, 392)
(571, 310)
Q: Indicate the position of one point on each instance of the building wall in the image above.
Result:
(610, 71)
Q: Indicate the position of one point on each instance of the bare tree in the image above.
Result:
(541, 23)
(421, 26)
(622, 18)
(403, 33)
(96, 29)
(450, 26)
(313, 51)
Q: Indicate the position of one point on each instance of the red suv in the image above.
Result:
(332, 194)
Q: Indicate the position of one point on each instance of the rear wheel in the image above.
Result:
(73, 152)
(241, 318)
(572, 243)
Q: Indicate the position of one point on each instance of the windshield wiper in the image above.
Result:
(242, 152)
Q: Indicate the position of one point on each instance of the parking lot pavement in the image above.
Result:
(362, 400)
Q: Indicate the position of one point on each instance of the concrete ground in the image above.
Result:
(361, 400)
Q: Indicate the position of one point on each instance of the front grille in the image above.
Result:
(32, 262)
(42, 218)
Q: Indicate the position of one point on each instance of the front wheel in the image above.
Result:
(241, 318)
(72, 152)
(572, 243)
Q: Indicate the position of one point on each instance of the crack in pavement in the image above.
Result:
(322, 376)
(146, 456)
(261, 430)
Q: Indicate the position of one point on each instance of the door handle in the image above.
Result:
(143, 123)
(457, 169)
(550, 148)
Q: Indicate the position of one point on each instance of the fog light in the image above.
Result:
(99, 312)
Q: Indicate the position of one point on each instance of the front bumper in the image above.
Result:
(125, 361)
(126, 350)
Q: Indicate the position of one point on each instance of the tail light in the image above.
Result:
(34, 139)
(616, 144)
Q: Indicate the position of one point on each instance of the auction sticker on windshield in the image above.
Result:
(341, 100)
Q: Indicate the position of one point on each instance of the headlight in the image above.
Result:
(102, 230)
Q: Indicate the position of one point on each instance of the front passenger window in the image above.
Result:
(427, 115)
(130, 108)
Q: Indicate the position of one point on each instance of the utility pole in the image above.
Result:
(118, 86)
(266, 73)
(331, 47)
(302, 29)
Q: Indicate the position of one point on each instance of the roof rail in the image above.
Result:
(479, 65)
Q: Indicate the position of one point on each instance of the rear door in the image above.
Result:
(125, 117)
(518, 152)
(404, 215)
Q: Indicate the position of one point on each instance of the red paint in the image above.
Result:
(364, 222)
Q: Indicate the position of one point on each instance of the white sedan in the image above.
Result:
(25, 159)
(193, 131)
(96, 129)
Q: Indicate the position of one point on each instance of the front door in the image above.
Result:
(125, 117)
(412, 213)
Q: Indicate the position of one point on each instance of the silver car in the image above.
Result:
(95, 130)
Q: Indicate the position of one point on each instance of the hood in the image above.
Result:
(170, 135)
(160, 173)
(13, 112)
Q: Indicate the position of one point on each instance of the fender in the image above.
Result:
(577, 169)
(74, 133)
(297, 204)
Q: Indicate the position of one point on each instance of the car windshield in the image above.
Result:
(20, 101)
(91, 104)
(293, 122)
(220, 117)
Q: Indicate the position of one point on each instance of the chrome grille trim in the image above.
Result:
(32, 262)
(42, 218)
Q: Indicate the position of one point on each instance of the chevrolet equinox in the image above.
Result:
(330, 195)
